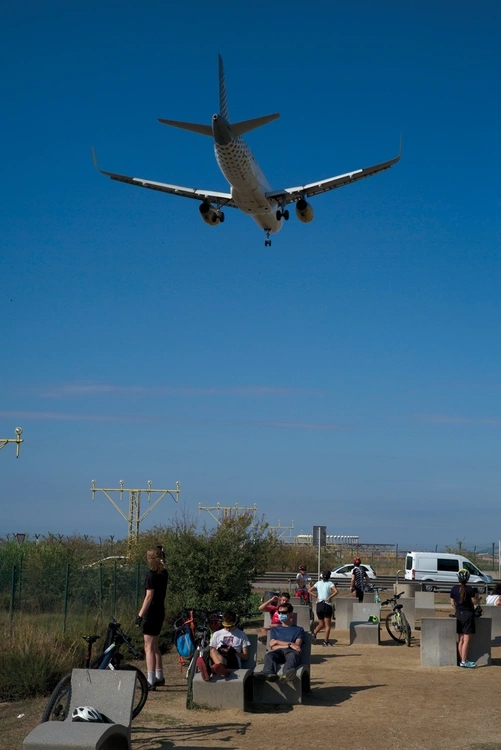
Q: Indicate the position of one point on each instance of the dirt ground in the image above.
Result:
(362, 698)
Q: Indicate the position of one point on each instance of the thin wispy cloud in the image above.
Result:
(76, 390)
(450, 419)
(51, 416)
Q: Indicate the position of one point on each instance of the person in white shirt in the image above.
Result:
(229, 647)
(494, 598)
(325, 591)
(303, 582)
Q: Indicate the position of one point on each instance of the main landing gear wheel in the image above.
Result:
(220, 216)
(282, 214)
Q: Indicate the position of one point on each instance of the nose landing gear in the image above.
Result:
(267, 242)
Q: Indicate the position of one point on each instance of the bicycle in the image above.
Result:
(370, 589)
(59, 702)
(396, 622)
(201, 635)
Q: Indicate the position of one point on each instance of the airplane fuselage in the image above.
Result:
(248, 183)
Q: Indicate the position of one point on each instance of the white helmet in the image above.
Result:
(86, 713)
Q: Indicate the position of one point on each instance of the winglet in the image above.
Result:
(94, 158)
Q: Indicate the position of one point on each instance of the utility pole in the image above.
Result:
(134, 517)
(17, 440)
(226, 510)
(280, 532)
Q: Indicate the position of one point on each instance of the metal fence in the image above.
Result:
(68, 591)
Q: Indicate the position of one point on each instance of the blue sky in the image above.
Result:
(347, 376)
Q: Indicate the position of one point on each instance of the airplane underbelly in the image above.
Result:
(255, 204)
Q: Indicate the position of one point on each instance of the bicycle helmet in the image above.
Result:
(302, 567)
(463, 575)
(356, 561)
(87, 713)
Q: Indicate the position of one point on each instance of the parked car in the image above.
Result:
(343, 572)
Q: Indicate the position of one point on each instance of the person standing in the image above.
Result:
(152, 614)
(464, 600)
(325, 591)
(359, 579)
(303, 582)
(286, 641)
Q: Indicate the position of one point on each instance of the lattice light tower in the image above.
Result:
(282, 532)
(226, 511)
(17, 440)
(134, 518)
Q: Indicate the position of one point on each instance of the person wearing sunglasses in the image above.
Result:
(286, 641)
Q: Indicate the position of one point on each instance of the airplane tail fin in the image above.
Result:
(223, 99)
(192, 126)
(239, 128)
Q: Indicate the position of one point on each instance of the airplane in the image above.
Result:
(250, 190)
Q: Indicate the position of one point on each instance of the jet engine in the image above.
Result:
(209, 214)
(304, 211)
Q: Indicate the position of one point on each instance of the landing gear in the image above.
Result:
(220, 215)
(267, 242)
(282, 214)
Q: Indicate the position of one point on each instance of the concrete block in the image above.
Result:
(438, 642)
(369, 597)
(425, 600)
(409, 609)
(344, 612)
(495, 615)
(235, 691)
(480, 644)
(362, 612)
(364, 633)
(109, 691)
(282, 692)
(409, 588)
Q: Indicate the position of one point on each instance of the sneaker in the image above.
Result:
(151, 687)
(203, 669)
(268, 676)
(325, 643)
(221, 670)
(289, 675)
(467, 664)
(160, 682)
(471, 664)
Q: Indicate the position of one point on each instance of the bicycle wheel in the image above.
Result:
(407, 630)
(141, 689)
(58, 704)
(190, 674)
(394, 626)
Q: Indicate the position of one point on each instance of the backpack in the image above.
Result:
(184, 640)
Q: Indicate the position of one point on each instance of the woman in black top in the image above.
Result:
(152, 614)
(463, 599)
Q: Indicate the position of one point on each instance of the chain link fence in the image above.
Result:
(68, 592)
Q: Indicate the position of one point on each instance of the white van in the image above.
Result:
(441, 567)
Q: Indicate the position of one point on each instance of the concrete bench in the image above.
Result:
(234, 691)
(282, 692)
(111, 692)
(495, 615)
(439, 642)
(364, 633)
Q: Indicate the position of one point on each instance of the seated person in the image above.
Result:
(494, 598)
(286, 641)
(229, 646)
(272, 606)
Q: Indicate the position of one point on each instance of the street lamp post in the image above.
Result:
(17, 440)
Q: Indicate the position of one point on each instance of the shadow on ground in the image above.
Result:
(333, 696)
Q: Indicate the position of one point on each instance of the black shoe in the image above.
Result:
(289, 675)
(160, 682)
(268, 676)
(151, 688)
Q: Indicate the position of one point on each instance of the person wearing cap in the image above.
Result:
(359, 579)
(303, 582)
(229, 646)
(271, 606)
(325, 591)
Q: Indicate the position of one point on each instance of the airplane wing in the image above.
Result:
(290, 195)
(223, 199)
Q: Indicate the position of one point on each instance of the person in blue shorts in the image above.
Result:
(286, 641)
(464, 600)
